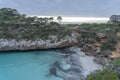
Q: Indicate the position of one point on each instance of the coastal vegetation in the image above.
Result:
(103, 75)
(112, 72)
(19, 26)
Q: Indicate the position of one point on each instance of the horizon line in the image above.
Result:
(79, 19)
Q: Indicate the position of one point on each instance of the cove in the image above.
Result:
(31, 65)
(47, 65)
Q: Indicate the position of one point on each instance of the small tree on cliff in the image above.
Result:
(51, 19)
(59, 18)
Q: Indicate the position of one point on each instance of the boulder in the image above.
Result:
(97, 50)
(100, 61)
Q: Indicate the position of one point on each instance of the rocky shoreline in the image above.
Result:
(91, 50)
(76, 63)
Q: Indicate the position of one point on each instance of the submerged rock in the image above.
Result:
(53, 71)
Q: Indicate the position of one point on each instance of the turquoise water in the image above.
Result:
(33, 65)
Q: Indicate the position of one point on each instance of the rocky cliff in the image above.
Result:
(114, 19)
(52, 42)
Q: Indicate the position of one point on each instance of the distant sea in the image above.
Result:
(78, 20)
(81, 22)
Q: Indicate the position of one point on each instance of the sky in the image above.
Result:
(80, 8)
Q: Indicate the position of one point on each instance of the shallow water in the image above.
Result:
(36, 65)
(33, 65)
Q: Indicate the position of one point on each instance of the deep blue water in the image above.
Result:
(32, 65)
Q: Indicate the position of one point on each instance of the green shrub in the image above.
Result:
(103, 75)
(115, 66)
(109, 44)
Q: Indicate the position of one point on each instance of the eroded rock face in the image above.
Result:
(13, 44)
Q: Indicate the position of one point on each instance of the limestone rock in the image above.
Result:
(6, 44)
(114, 19)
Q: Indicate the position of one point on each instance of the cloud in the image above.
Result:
(65, 7)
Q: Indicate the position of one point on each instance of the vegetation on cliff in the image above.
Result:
(111, 72)
(103, 75)
(14, 25)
